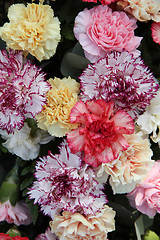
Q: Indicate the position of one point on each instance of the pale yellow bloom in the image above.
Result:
(76, 226)
(142, 10)
(131, 166)
(55, 116)
(33, 29)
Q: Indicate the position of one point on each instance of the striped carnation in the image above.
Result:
(22, 90)
(121, 78)
(64, 183)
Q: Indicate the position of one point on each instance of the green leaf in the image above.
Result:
(73, 65)
(9, 191)
(33, 125)
(34, 211)
(26, 183)
(27, 170)
(139, 227)
(150, 235)
(3, 149)
(24, 193)
(13, 232)
(67, 32)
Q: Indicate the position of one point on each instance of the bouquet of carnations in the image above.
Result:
(80, 120)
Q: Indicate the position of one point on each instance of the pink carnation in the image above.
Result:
(100, 31)
(100, 134)
(146, 196)
(155, 27)
(22, 90)
(18, 214)
(48, 235)
(104, 2)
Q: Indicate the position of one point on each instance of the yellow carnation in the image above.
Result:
(55, 116)
(33, 29)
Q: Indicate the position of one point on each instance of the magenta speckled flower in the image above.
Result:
(22, 90)
(64, 183)
(121, 78)
(100, 31)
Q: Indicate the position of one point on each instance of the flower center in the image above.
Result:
(101, 134)
(115, 86)
(63, 185)
(8, 99)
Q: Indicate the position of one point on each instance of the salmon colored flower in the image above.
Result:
(131, 166)
(142, 10)
(76, 226)
(100, 134)
(60, 100)
(155, 27)
(34, 29)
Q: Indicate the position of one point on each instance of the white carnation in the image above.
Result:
(149, 121)
(22, 144)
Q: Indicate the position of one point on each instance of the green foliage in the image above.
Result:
(34, 211)
(150, 235)
(9, 191)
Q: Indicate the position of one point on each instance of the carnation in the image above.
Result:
(64, 183)
(149, 121)
(55, 116)
(4, 236)
(34, 29)
(121, 78)
(48, 235)
(142, 10)
(18, 214)
(145, 197)
(100, 134)
(22, 90)
(21, 143)
(104, 2)
(131, 166)
(76, 226)
(155, 28)
(100, 31)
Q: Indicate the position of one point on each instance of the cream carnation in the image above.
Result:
(76, 226)
(149, 121)
(131, 167)
(34, 29)
(23, 144)
(142, 10)
(55, 116)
